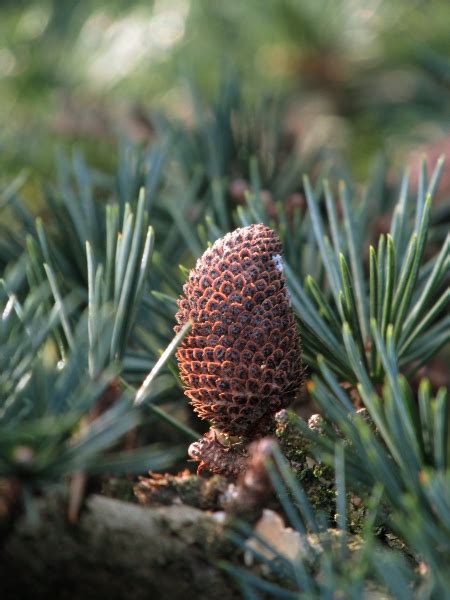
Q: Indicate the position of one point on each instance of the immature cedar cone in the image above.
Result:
(247, 498)
(241, 361)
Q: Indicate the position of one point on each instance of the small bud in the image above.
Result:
(23, 455)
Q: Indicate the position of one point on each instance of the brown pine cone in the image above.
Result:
(241, 361)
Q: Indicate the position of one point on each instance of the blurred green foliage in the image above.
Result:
(363, 78)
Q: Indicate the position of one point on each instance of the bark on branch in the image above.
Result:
(117, 550)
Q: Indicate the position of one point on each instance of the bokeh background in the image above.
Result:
(367, 79)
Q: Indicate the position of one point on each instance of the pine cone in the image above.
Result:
(241, 361)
